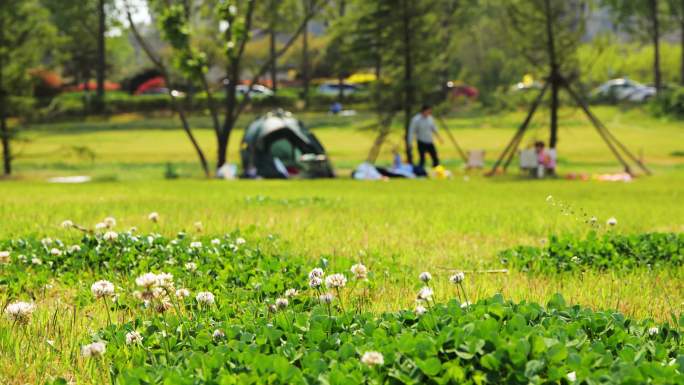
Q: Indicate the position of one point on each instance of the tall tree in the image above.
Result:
(677, 10)
(25, 37)
(642, 18)
(101, 55)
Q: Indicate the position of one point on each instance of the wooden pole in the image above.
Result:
(445, 128)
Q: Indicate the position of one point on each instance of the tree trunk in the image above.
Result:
(274, 64)
(4, 129)
(101, 57)
(231, 106)
(681, 43)
(656, 44)
(555, 76)
(305, 58)
(408, 78)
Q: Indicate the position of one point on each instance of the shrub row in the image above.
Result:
(601, 252)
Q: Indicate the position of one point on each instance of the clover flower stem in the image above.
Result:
(458, 293)
(464, 292)
(339, 298)
(106, 304)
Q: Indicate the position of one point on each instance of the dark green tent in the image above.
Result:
(277, 145)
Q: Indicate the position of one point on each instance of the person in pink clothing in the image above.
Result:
(546, 160)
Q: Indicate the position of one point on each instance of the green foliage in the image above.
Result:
(242, 338)
(669, 103)
(607, 252)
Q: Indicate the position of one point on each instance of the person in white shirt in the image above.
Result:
(422, 128)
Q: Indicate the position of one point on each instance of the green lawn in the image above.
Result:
(398, 228)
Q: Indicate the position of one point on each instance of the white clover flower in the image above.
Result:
(36, 261)
(102, 288)
(218, 334)
(240, 241)
(191, 266)
(232, 9)
(653, 331)
(572, 376)
(154, 216)
(465, 304)
(147, 280)
(611, 221)
(165, 280)
(67, 224)
(281, 303)
(205, 298)
(216, 242)
(290, 293)
(315, 282)
(100, 226)
(420, 309)
(196, 245)
(326, 298)
(133, 338)
(198, 226)
(373, 359)
(182, 293)
(20, 311)
(74, 248)
(425, 277)
(96, 349)
(109, 222)
(110, 236)
(55, 251)
(360, 271)
(316, 273)
(4, 257)
(457, 278)
(425, 294)
(46, 242)
(335, 281)
(575, 259)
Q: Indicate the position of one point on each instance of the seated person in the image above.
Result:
(546, 160)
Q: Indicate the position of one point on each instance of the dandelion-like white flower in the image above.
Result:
(572, 376)
(74, 249)
(133, 338)
(55, 251)
(216, 242)
(611, 221)
(373, 359)
(110, 236)
(96, 349)
(147, 280)
(326, 298)
(196, 245)
(360, 271)
(182, 293)
(218, 334)
(205, 298)
(425, 294)
(4, 257)
(110, 222)
(290, 293)
(191, 266)
(425, 277)
(315, 282)
(102, 288)
(165, 280)
(653, 331)
(281, 303)
(316, 273)
(67, 224)
(20, 311)
(154, 216)
(457, 278)
(335, 281)
(36, 261)
(240, 241)
(420, 309)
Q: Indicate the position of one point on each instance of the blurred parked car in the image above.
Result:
(257, 91)
(333, 89)
(623, 90)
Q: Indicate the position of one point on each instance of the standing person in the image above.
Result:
(422, 128)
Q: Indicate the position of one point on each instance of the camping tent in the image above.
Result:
(277, 145)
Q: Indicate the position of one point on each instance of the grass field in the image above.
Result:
(399, 227)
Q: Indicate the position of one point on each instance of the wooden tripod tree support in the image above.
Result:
(445, 128)
(619, 150)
